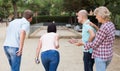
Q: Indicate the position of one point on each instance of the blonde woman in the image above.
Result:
(103, 42)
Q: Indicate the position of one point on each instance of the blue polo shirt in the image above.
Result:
(85, 34)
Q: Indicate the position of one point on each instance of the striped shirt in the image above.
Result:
(103, 42)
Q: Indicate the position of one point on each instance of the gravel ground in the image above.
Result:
(70, 56)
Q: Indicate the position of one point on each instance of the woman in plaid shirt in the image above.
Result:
(103, 42)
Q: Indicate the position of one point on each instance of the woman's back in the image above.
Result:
(49, 41)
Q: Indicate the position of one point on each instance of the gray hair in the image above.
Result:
(83, 13)
(103, 12)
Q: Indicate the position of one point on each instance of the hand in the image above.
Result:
(19, 53)
(72, 41)
(92, 24)
(79, 44)
(37, 61)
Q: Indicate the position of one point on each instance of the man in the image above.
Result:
(14, 41)
(88, 34)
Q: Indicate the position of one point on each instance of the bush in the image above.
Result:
(117, 22)
(60, 19)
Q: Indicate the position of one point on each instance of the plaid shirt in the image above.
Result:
(103, 42)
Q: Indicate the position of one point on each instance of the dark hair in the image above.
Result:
(51, 28)
(27, 14)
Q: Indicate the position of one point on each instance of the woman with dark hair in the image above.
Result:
(48, 45)
(51, 28)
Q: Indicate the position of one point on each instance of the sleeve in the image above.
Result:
(26, 27)
(100, 36)
(42, 37)
(88, 27)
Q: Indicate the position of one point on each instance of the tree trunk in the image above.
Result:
(15, 9)
(36, 14)
(70, 19)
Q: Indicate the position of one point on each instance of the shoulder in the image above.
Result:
(24, 21)
(55, 35)
(42, 36)
(88, 26)
(15, 20)
(108, 26)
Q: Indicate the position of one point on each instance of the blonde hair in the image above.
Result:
(83, 13)
(103, 12)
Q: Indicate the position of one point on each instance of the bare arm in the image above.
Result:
(79, 43)
(22, 38)
(57, 42)
(38, 49)
(92, 35)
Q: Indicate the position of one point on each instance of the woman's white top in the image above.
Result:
(49, 41)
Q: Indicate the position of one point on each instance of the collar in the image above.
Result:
(86, 22)
(25, 20)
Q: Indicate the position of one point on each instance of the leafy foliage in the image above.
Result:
(58, 7)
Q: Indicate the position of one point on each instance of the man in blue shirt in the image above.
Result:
(14, 41)
(88, 34)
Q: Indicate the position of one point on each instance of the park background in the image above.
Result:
(63, 13)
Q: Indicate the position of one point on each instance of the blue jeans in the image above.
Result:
(50, 60)
(101, 65)
(88, 61)
(13, 59)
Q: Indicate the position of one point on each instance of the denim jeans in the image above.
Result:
(50, 60)
(13, 59)
(88, 61)
(101, 65)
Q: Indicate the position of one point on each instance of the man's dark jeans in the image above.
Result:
(88, 61)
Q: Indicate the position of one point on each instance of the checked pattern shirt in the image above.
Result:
(103, 42)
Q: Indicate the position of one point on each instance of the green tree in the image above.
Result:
(4, 9)
(34, 6)
(56, 7)
(14, 3)
(50, 7)
(113, 6)
(73, 6)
